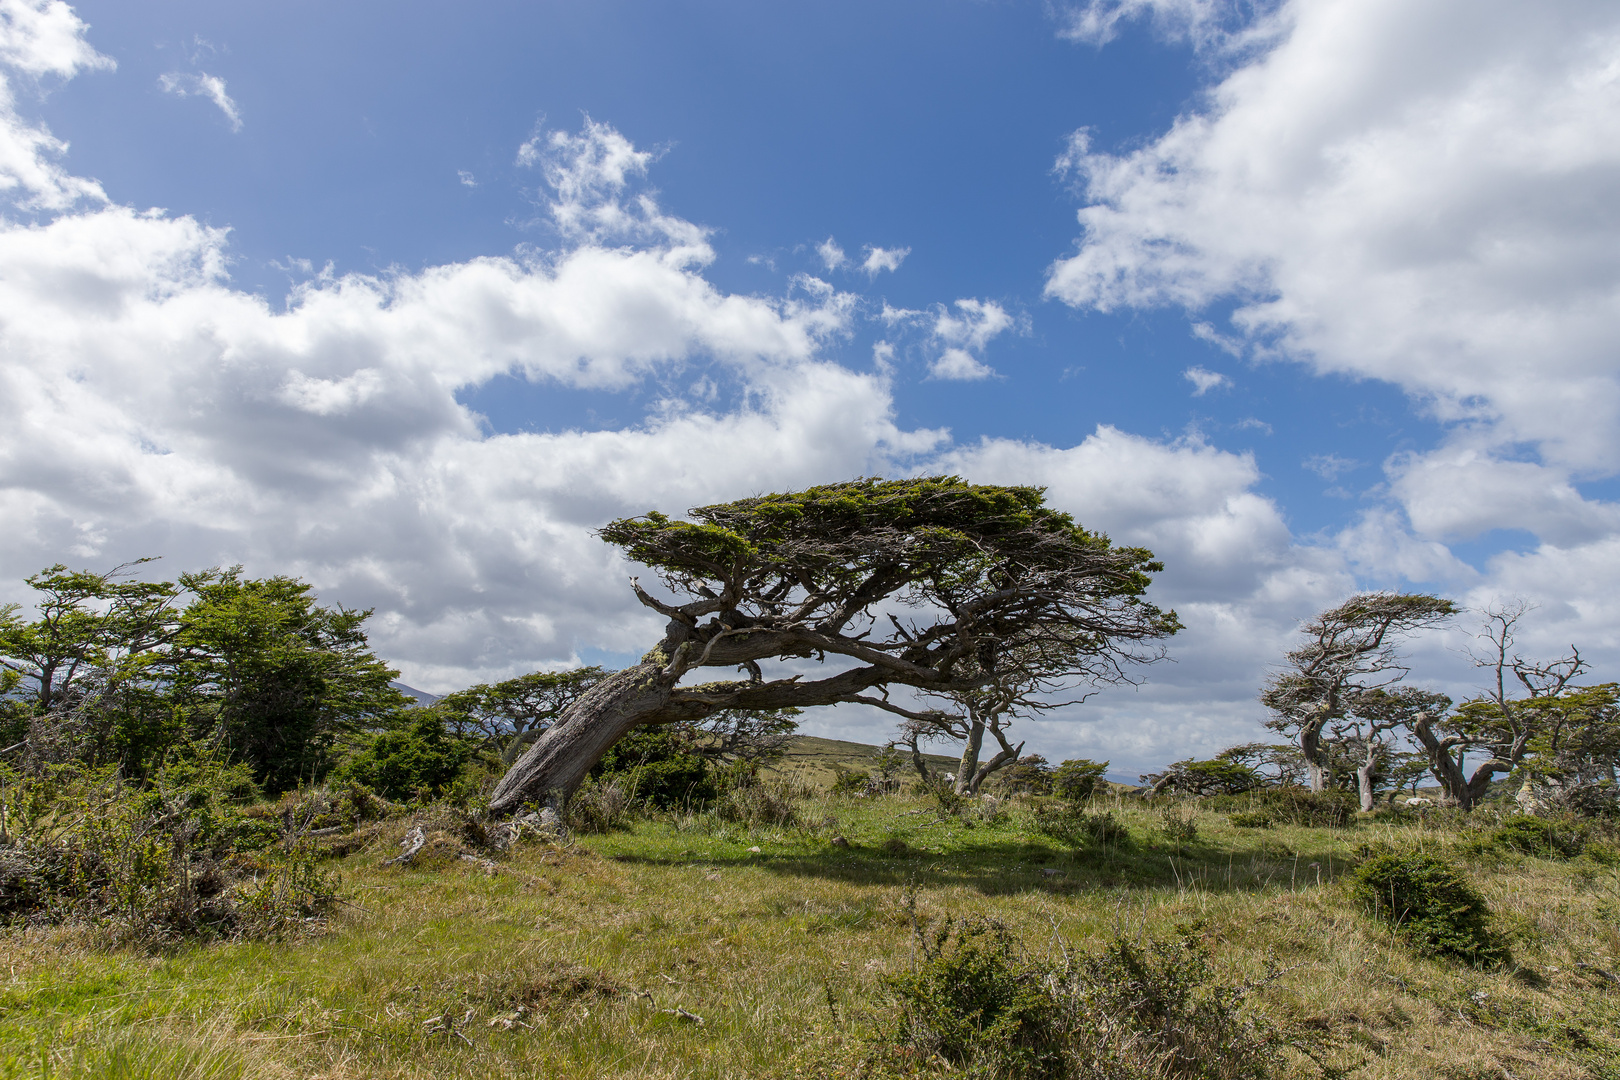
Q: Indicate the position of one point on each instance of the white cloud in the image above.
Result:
(1204, 380)
(881, 259)
(832, 256)
(1330, 466)
(964, 335)
(203, 85)
(39, 39)
(467, 179)
(1417, 191)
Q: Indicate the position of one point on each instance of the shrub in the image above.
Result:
(599, 806)
(180, 858)
(417, 756)
(1179, 824)
(1430, 903)
(656, 766)
(1292, 805)
(757, 803)
(1134, 1010)
(973, 1002)
(1076, 780)
(1064, 823)
(852, 782)
(1538, 836)
(1250, 819)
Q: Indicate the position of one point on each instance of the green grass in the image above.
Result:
(782, 951)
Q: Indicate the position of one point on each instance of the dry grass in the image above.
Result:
(574, 961)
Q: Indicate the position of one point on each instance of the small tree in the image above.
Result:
(830, 572)
(1372, 716)
(506, 717)
(1499, 722)
(1348, 650)
(1076, 779)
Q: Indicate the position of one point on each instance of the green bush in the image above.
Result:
(1430, 903)
(975, 1003)
(1538, 836)
(1075, 828)
(851, 782)
(1077, 779)
(1151, 1009)
(1291, 806)
(417, 756)
(1250, 819)
(656, 766)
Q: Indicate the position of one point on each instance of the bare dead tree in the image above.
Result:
(903, 583)
(1350, 649)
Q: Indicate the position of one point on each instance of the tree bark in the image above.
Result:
(1310, 748)
(553, 768)
(970, 759)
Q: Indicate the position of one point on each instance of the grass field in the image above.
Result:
(596, 958)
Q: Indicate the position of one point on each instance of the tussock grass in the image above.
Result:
(590, 959)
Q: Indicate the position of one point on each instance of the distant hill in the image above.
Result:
(818, 761)
(422, 696)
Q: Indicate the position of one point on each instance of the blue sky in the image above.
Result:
(1312, 303)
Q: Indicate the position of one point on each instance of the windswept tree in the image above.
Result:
(1016, 678)
(1523, 704)
(1349, 650)
(505, 718)
(1368, 732)
(900, 583)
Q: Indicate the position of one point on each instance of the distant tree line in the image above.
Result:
(1352, 727)
(111, 671)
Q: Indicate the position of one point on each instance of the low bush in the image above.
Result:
(758, 803)
(1291, 805)
(1071, 826)
(1076, 780)
(1251, 819)
(1178, 824)
(417, 758)
(600, 806)
(1538, 836)
(1431, 905)
(181, 858)
(979, 1003)
(852, 782)
(655, 766)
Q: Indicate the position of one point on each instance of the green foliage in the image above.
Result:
(1178, 824)
(977, 1002)
(1077, 778)
(503, 716)
(414, 755)
(1217, 776)
(1029, 775)
(852, 782)
(1291, 806)
(1431, 905)
(279, 676)
(657, 765)
(184, 857)
(1251, 819)
(978, 1005)
(1538, 836)
(1066, 823)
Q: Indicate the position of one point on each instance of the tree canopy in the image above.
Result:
(924, 583)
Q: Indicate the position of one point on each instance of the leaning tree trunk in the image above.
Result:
(970, 759)
(1310, 748)
(551, 770)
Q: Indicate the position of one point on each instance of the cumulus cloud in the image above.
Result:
(203, 85)
(1205, 380)
(881, 259)
(832, 256)
(965, 330)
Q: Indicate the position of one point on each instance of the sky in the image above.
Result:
(1308, 297)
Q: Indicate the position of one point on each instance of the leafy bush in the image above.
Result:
(1077, 779)
(1538, 836)
(656, 766)
(1134, 1010)
(1292, 805)
(975, 1003)
(180, 858)
(417, 756)
(1075, 828)
(1250, 819)
(757, 803)
(1179, 824)
(1430, 903)
(852, 782)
